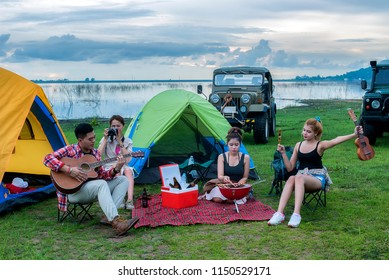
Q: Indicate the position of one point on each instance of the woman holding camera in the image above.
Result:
(111, 145)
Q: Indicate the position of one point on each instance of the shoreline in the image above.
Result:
(304, 102)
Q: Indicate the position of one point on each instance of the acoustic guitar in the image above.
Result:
(364, 151)
(88, 163)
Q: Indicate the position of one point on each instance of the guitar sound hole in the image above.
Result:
(85, 167)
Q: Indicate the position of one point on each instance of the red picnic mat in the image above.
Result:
(205, 212)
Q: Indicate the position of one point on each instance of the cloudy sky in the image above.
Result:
(187, 39)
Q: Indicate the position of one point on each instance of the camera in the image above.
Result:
(112, 132)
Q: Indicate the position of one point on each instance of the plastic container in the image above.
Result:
(172, 197)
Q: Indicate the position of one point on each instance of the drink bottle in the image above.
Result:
(193, 183)
(176, 184)
(183, 178)
(193, 172)
(145, 198)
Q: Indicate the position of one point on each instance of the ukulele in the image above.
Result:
(88, 163)
(364, 151)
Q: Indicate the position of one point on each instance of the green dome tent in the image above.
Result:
(171, 127)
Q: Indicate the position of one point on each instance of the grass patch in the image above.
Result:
(354, 225)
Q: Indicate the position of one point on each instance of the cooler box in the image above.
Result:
(173, 197)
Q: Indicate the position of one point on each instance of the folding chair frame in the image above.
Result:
(201, 168)
(72, 211)
(276, 186)
(316, 198)
(312, 200)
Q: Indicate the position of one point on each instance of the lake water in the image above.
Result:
(84, 100)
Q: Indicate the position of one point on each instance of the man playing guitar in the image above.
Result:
(107, 188)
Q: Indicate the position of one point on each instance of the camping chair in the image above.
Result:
(280, 172)
(201, 168)
(278, 181)
(74, 210)
(276, 186)
(312, 200)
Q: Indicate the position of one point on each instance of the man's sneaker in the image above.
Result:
(277, 219)
(294, 221)
(121, 226)
(130, 205)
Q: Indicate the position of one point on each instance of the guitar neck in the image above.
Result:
(353, 117)
(360, 135)
(108, 160)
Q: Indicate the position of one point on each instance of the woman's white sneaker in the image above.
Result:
(277, 219)
(294, 221)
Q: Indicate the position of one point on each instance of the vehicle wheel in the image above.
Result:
(261, 129)
(379, 132)
(272, 126)
(370, 132)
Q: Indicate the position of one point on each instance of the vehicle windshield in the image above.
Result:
(382, 77)
(238, 79)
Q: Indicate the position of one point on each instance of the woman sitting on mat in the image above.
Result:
(233, 168)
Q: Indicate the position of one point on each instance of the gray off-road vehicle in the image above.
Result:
(375, 105)
(244, 95)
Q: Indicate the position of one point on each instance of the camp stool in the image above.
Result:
(76, 210)
(312, 200)
(201, 168)
(280, 172)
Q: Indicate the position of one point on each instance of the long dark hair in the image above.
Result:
(234, 133)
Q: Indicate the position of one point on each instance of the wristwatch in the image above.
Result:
(115, 171)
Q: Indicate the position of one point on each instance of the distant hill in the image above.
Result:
(361, 74)
(87, 80)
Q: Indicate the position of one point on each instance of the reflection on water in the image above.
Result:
(84, 100)
(294, 93)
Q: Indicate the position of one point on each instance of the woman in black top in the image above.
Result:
(232, 167)
(311, 175)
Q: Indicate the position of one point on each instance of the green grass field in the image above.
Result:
(354, 225)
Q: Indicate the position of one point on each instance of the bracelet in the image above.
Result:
(115, 171)
(121, 146)
(70, 171)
